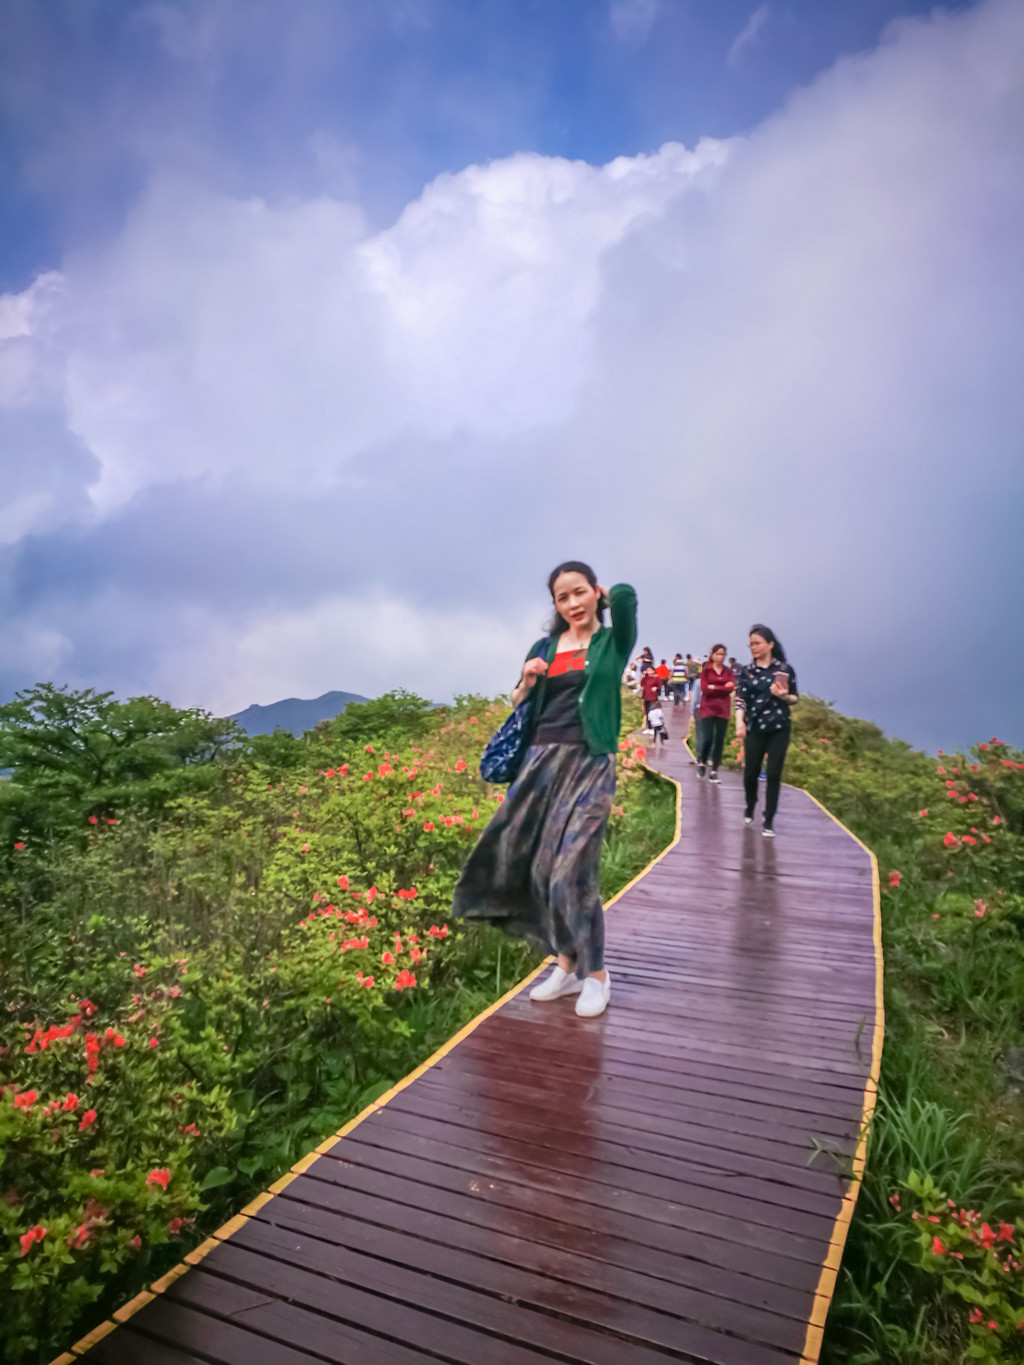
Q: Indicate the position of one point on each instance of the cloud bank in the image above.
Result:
(253, 448)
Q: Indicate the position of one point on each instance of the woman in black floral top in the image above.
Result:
(765, 692)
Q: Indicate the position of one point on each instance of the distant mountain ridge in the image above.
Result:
(294, 713)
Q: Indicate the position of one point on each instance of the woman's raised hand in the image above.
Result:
(532, 670)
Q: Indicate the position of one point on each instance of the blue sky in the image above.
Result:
(325, 326)
(279, 97)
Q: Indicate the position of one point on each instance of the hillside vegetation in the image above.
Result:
(934, 1270)
(214, 950)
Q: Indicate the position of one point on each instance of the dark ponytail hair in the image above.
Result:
(769, 635)
(558, 623)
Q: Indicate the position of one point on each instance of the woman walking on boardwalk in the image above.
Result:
(717, 685)
(534, 870)
(765, 692)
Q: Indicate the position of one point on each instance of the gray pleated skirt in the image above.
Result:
(535, 869)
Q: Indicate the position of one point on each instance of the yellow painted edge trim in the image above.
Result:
(165, 1281)
(194, 1256)
(66, 1359)
(91, 1338)
(254, 1205)
(130, 1308)
(830, 1267)
(305, 1162)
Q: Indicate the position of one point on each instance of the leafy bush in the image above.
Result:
(947, 833)
(196, 990)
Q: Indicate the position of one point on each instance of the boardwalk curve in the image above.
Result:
(670, 1182)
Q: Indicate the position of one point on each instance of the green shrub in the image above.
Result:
(220, 980)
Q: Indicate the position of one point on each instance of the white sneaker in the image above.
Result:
(768, 832)
(559, 983)
(748, 819)
(594, 996)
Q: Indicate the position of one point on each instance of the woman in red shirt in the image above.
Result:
(717, 685)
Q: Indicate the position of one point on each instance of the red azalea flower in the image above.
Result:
(941, 772)
(428, 825)
(938, 1247)
(366, 981)
(330, 772)
(950, 840)
(78, 1238)
(88, 1119)
(343, 883)
(35, 1234)
(26, 1099)
(70, 1104)
(368, 748)
(387, 959)
(19, 846)
(93, 820)
(153, 1042)
(159, 1177)
(895, 878)
(460, 765)
(969, 839)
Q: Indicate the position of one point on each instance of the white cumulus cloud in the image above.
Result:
(772, 378)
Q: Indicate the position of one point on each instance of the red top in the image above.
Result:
(567, 661)
(650, 685)
(715, 696)
(663, 671)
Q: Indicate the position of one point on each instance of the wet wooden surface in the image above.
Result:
(660, 1184)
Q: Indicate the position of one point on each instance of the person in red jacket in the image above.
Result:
(650, 686)
(717, 686)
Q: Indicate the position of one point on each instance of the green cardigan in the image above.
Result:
(607, 656)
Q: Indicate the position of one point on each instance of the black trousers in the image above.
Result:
(711, 739)
(758, 747)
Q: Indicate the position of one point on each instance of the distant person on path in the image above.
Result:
(534, 869)
(698, 724)
(678, 680)
(692, 671)
(656, 720)
(717, 686)
(664, 673)
(650, 686)
(765, 691)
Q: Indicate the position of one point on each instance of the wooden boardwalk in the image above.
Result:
(660, 1184)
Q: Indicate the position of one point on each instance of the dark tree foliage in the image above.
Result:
(390, 721)
(74, 754)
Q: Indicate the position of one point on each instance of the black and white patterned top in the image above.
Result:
(764, 712)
